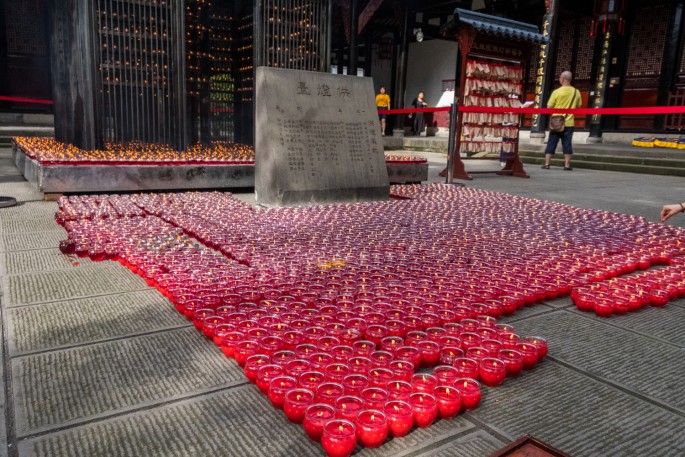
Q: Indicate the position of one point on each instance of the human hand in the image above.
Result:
(669, 210)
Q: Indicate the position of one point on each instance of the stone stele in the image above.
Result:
(317, 139)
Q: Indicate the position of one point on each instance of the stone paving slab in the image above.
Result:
(22, 191)
(526, 312)
(59, 388)
(236, 422)
(34, 240)
(8, 226)
(105, 278)
(475, 443)
(581, 416)
(30, 210)
(67, 323)
(627, 359)
(37, 260)
(665, 324)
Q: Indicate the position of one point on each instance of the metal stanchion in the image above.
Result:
(451, 145)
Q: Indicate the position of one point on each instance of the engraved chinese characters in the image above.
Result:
(317, 139)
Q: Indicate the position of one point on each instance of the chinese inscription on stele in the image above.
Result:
(317, 139)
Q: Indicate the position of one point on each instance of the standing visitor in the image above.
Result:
(382, 104)
(566, 96)
(419, 123)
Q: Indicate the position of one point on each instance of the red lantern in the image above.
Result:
(608, 12)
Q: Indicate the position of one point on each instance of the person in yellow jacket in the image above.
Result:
(565, 97)
(383, 104)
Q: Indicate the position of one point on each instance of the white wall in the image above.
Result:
(429, 63)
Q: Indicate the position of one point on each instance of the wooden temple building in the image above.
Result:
(179, 72)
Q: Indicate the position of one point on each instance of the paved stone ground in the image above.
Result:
(97, 364)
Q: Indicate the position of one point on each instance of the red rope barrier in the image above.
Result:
(36, 101)
(576, 111)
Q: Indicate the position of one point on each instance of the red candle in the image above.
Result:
(379, 377)
(336, 372)
(348, 406)
(311, 380)
(469, 340)
(328, 392)
(372, 428)
(375, 397)
(453, 328)
(296, 403)
(339, 438)
(409, 354)
(391, 343)
(220, 331)
(413, 338)
(430, 353)
(375, 333)
(446, 375)
(448, 354)
(492, 371)
(477, 353)
(470, 392)
(209, 325)
(423, 382)
(355, 383)
(513, 361)
(363, 348)
(253, 364)
(320, 360)
(509, 340)
(399, 390)
(402, 370)
(449, 401)
(265, 374)
(425, 408)
(380, 359)
(360, 365)
(270, 344)
(466, 367)
(492, 346)
(230, 341)
(315, 417)
(279, 386)
(530, 354)
(243, 350)
(342, 354)
(539, 343)
(400, 417)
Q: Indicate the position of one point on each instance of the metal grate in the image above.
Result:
(647, 41)
(675, 121)
(142, 69)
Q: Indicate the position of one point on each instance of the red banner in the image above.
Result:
(37, 101)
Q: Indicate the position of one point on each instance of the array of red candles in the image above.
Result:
(364, 321)
(49, 151)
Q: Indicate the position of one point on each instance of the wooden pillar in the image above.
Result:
(402, 58)
(354, 29)
(546, 60)
(75, 79)
(600, 83)
(670, 60)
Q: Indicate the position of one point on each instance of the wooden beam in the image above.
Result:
(368, 13)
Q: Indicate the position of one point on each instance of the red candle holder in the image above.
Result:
(375, 397)
(278, 387)
(448, 354)
(379, 377)
(540, 343)
(466, 367)
(363, 348)
(305, 350)
(230, 341)
(470, 392)
(430, 353)
(446, 375)
(513, 361)
(355, 383)
(329, 392)
(424, 382)
(283, 357)
(402, 369)
(253, 364)
(372, 428)
(399, 390)
(220, 331)
(413, 338)
(360, 365)
(448, 399)
(469, 340)
(380, 359)
(492, 371)
(509, 340)
(320, 360)
(400, 417)
(311, 380)
(425, 408)
(391, 344)
(409, 354)
(336, 372)
(243, 350)
(477, 353)
(348, 406)
(342, 354)
(530, 354)
(296, 367)
(492, 346)
(296, 403)
(315, 417)
(339, 438)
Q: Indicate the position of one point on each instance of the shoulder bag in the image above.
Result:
(557, 123)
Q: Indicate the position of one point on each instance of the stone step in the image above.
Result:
(609, 166)
(621, 160)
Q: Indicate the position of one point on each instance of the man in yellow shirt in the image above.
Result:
(566, 96)
(383, 103)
